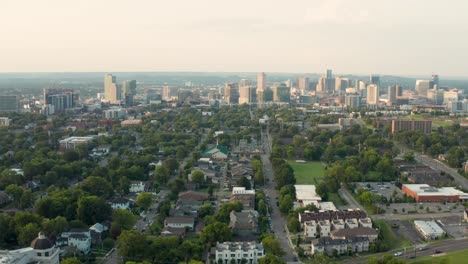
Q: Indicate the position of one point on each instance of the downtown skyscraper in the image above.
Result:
(112, 91)
(261, 87)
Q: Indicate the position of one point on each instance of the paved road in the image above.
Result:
(410, 252)
(438, 166)
(278, 222)
(348, 197)
(435, 216)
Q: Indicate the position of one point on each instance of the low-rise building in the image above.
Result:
(138, 186)
(5, 122)
(244, 223)
(351, 223)
(324, 228)
(120, 203)
(426, 193)
(245, 197)
(328, 245)
(330, 215)
(238, 251)
(337, 224)
(78, 238)
(366, 232)
(217, 152)
(72, 142)
(429, 229)
(180, 222)
(42, 250)
(365, 222)
(306, 194)
(310, 230)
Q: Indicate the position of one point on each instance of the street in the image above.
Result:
(410, 252)
(278, 222)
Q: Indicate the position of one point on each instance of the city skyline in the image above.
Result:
(397, 38)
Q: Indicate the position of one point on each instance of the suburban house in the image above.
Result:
(120, 203)
(244, 223)
(330, 215)
(366, 232)
(192, 195)
(328, 245)
(78, 238)
(180, 222)
(173, 231)
(217, 152)
(138, 186)
(227, 251)
(97, 232)
(246, 197)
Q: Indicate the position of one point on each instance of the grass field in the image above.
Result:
(449, 258)
(437, 121)
(389, 237)
(307, 172)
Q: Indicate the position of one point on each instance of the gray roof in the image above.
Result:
(232, 246)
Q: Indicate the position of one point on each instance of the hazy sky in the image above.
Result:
(358, 36)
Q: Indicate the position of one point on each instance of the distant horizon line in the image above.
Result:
(234, 72)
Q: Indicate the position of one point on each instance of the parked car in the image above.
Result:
(397, 254)
(423, 248)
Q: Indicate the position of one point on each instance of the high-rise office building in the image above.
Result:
(374, 79)
(8, 103)
(326, 84)
(353, 101)
(112, 91)
(435, 95)
(231, 93)
(303, 83)
(261, 86)
(247, 94)
(61, 99)
(329, 74)
(281, 93)
(451, 96)
(169, 93)
(372, 95)
(341, 84)
(399, 91)
(435, 80)
(391, 95)
(422, 86)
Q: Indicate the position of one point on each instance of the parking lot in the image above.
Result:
(406, 229)
(423, 208)
(384, 189)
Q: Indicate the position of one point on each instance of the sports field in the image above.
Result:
(307, 172)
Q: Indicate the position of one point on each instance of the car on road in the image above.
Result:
(423, 248)
(437, 251)
(397, 254)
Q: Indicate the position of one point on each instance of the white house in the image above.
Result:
(310, 230)
(329, 245)
(180, 221)
(250, 251)
(324, 228)
(81, 239)
(351, 223)
(137, 186)
(120, 203)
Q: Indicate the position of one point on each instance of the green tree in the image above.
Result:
(124, 218)
(162, 174)
(244, 182)
(198, 177)
(408, 156)
(56, 226)
(286, 204)
(132, 244)
(27, 233)
(205, 209)
(97, 186)
(93, 209)
(71, 155)
(27, 199)
(144, 200)
(15, 192)
(8, 177)
(71, 261)
(270, 259)
(216, 232)
(272, 246)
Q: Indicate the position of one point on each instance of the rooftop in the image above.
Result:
(427, 190)
(429, 227)
(306, 194)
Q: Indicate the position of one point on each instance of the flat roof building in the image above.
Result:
(72, 142)
(306, 194)
(425, 126)
(429, 229)
(426, 193)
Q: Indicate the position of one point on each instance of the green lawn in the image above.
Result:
(389, 237)
(449, 258)
(437, 121)
(307, 172)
